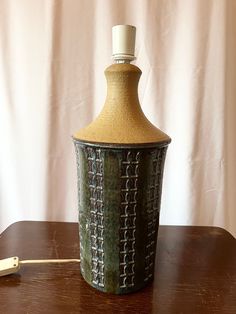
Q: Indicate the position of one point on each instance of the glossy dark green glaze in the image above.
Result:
(119, 201)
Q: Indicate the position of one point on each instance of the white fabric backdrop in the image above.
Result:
(52, 58)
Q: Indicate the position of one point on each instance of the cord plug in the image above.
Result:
(12, 264)
(9, 266)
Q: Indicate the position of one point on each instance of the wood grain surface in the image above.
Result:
(195, 273)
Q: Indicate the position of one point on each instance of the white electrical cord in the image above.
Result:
(11, 265)
(47, 261)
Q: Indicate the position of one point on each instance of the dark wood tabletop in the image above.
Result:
(195, 273)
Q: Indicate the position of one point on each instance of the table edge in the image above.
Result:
(217, 229)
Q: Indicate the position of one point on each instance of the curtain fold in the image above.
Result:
(52, 58)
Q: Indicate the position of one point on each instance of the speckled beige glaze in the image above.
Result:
(122, 120)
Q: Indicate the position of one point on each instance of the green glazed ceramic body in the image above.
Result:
(119, 191)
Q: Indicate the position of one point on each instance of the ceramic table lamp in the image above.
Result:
(120, 161)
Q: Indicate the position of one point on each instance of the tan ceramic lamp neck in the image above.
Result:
(122, 120)
(122, 85)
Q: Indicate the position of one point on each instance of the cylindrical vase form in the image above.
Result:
(120, 164)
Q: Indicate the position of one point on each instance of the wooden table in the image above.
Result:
(195, 273)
